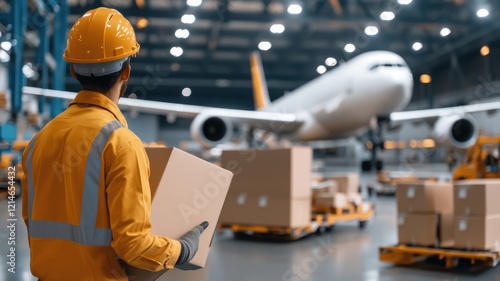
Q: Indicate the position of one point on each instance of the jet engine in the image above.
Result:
(456, 131)
(210, 130)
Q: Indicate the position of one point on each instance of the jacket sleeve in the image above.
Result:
(129, 203)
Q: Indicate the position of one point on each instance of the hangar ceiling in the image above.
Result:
(215, 59)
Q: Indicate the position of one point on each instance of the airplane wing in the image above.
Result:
(416, 115)
(263, 120)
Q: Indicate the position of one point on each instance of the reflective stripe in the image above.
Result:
(31, 190)
(86, 233)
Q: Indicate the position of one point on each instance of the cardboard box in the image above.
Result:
(135, 274)
(328, 186)
(477, 197)
(425, 197)
(418, 229)
(447, 230)
(284, 173)
(186, 191)
(346, 183)
(338, 200)
(267, 211)
(355, 198)
(477, 233)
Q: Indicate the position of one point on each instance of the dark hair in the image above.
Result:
(100, 83)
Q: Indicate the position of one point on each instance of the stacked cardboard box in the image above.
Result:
(344, 192)
(425, 213)
(477, 214)
(269, 188)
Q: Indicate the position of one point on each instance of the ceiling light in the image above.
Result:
(417, 46)
(186, 92)
(4, 56)
(28, 70)
(387, 16)
(321, 69)
(482, 13)
(485, 50)
(445, 32)
(188, 19)
(294, 9)
(142, 23)
(425, 79)
(277, 28)
(371, 30)
(182, 33)
(6, 45)
(405, 2)
(331, 61)
(265, 45)
(350, 48)
(176, 51)
(193, 3)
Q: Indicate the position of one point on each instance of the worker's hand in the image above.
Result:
(189, 243)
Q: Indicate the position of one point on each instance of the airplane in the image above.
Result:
(343, 102)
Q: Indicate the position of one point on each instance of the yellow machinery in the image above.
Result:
(475, 164)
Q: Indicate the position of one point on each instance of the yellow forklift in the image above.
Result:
(480, 161)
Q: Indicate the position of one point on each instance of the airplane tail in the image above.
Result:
(259, 84)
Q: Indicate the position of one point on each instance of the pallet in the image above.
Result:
(407, 255)
(321, 220)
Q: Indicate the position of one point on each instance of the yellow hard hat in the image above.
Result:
(100, 35)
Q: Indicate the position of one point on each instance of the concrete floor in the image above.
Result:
(347, 253)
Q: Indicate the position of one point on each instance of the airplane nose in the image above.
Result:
(397, 92)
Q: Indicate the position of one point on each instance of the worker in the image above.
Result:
(87, 198)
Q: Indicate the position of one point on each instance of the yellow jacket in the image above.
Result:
(87, 198)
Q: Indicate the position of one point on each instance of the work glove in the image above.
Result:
(189, 243)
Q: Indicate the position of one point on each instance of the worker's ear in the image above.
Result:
(125, 73)
(72, 70)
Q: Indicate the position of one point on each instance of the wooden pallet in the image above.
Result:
(407, 255)
(321, 219)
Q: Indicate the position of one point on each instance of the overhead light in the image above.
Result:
(321, 69)
(182, 33)
(294, 9)
(186, 92)
(193, 3)
(6, 45)
(387, 16)
(331, 61)
(405, 2)
(417, 46)
(445, 32)
(371, 30)
(350, 48)
(188, 19)
(4, 56)
(28, 70)
(425, 79)
(265, 45)
(485, 50)
(176, 51)
(277, 28)
(142, 23)
(482, 13)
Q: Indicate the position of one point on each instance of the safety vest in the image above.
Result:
(86, 233)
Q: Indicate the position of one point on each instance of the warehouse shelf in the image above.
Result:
(407, 255)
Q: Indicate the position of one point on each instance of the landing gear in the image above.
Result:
(376, 142)
(367, 165)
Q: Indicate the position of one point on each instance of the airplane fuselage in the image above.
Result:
(344, 100)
